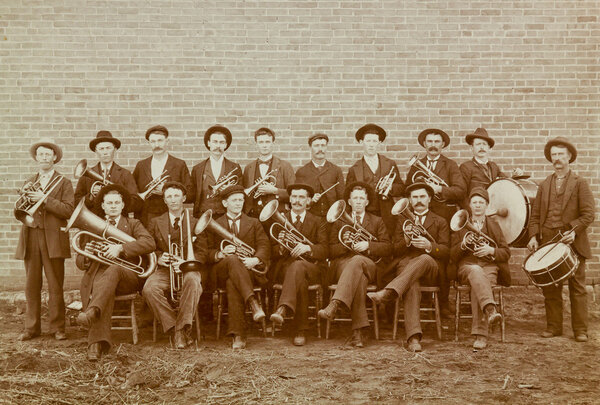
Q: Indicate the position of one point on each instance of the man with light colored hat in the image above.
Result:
(42, 244)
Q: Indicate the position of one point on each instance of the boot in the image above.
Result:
(329, 311)
(257, 312)
(414, 344)
(91, 315)
(382, 296)
(180, 341)
(357, 339)
(493, 316)
(277, 316)
(480, 342)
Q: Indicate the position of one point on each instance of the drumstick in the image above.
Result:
(562, 237)
(324, 192)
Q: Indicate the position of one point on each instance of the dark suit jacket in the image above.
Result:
(577, 210)
(448, 170)
(143, 244)
(284, 176)
(321, 181)
(55, 211)
(202, 179)
(475, 175)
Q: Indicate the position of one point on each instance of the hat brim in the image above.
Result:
(471, 137)
(423, 135)
(560, 142)
(418, 186)
(57, 150)
(116, 187)
(306, 187)
(228, 138)
(370, 129)
(94, 142)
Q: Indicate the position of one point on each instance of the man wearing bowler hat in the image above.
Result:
(564, 205)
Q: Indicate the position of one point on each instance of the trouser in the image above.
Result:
(353, 276)
(481, 277)
(36, 259)
(155, 291)
(297, 276)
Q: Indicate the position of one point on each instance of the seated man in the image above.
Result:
(168, 230)
(480, 265)
(355, 260)
(300, 267)
(103, 282)
(234, 265)
(422, 248)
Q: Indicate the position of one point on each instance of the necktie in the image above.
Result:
(430, 164)
(296, 221)
(234, 227)
(112, 222)
(176, 223)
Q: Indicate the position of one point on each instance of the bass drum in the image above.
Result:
(511, 201)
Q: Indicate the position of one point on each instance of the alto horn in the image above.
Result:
(473, 238)
(351, 232)
(410, 226)
(25, 208)
(82, 169)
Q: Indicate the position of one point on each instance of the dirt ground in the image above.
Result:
(525, 369)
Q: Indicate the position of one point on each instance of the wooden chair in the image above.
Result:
(317, 289)
(434, 309)
(220, 294)
(128, 315)
(370, 288)
(463, 298)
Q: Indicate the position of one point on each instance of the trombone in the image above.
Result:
(410, 226)
(253, 191)
(224, 182)
(25, 207)
(384, 184)
(348, 234)
(154, 184)
(424, 174)
(82, 169)
(474, 238)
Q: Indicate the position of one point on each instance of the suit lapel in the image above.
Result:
(545, 199)
(428, 221)
(244, 226)
(57, 188)
(570, 186)
(276, 165)
(123, 225)
(360, 174)
(163, 226)
(170, 165)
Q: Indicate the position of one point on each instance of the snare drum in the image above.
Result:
(512, 199)
(550, 264)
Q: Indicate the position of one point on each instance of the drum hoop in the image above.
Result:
(546, 270)
(526, 200)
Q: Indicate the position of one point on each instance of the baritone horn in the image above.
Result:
(25, 207)
(154, 184)
(410, 227)
(82, 169)
(351, 232)
(424, 174)
(474, 238)
(384, 184)
(223, 183)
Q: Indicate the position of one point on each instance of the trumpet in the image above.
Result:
(224, 182)
(102, 235)
(82, 169)
(253, 191)
(384, 184)
(474, 238)
(154, 184)
(424, 174)
(25, 207)
(292, 236)
(348, 234)
(410, 226)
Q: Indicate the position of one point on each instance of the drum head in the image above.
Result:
(507, 194)
(546, 256)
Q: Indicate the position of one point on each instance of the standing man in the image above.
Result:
(267, 164)
(175, 315)
(159, 165)
(419, 259)
(380, 172)
(303, 265)
(105, 146)
(321, 175)
(42, 244)
(213, 175)
(564, 204)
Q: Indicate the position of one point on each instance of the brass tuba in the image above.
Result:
(410, 226)
(424, 174)
(82, 169)
(384, 184)
(25, 207)
(223, 183)
(101, 235)
(474, 238)
(348, 234)
(154, 184)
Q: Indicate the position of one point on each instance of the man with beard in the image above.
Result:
(564, 205)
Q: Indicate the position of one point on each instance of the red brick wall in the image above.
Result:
(525, 70)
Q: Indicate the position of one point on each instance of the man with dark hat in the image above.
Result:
(356, 260)
(481, 265)
(101, 283)
(159, 168)
(105, 146)
(421, 252)
(380, 172)
(234, 270)
(301, 266)
(272, 173)
(564, 205)
(177, 312)
(322, 176)
(42, 244)
(214, 174)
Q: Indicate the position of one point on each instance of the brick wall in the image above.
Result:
(525, 70)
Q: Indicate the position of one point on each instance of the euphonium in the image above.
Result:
(424, 174)
(252, 191)
(101, 235)
(410, 226)
(82, 169)
(154, 184)
(474, 238)
(384, 184)
(348, 234)
(224, 182)
(25, 207)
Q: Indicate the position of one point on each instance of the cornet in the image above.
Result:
(474, 238)
(384, 184)
(410, 226)
(82, 169)
(224, 182)
(25, 207)
(154, 184)
(253, 191)
(424, 174)
(348, 234)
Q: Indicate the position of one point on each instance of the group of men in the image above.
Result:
(352, 245)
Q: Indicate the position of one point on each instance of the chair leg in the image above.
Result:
(375, 320)
(503, 323)
(134, 326)
(395, 321)
(438, 319)
(319, 305)
(197, 320)
(219, 314)
(275, 302)
(154, 330)
(457, 314)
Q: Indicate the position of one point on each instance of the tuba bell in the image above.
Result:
(474, 238)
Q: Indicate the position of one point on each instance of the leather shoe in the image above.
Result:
(414, 345)
(94, 352)
(480, 342)
(357, 340)
(381, 296)
(27, 336)
(493, 316)
(277, 316)
(548, 334)
(299, 339)
(329, 311)
(60, 335)
(581, 337)
(238, 342)
(257, 312)
(180, 341)
(92, 314)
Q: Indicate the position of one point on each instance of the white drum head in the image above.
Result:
(506, 194)
(552, 253)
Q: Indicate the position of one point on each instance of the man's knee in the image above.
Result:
(193, 279)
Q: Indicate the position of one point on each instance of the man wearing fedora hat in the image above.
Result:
(216, 169)
(42, 244)
(105, 146)
(321, 175)
(419, 257)
(153, 167)
(564, 205)
(374, 168)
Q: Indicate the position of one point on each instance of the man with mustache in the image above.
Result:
(321, 175)
(207, 173)
(153, 167)
(371, 168)
(564, 204)
(446, 197)
(420, 258)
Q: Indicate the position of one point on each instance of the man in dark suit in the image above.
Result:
(301, 266)
(321, 175)
(105, 146)
(259, 168)
(42, 244)
(564, 204)
(356, 262)
(152, 168)
(233, 270)
(372, 168)
(420, 256)
(101, 283)
(446, 197)
(214, 171)
(177, 312)
(481, 265)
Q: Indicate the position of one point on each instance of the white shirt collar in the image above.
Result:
(262, 160)
(230, 218)
(318, 165)
(117, 219)
(172, 218)
(105, 168)
(295, 216)
(435, 159)
(481, 162)
(46, 175)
